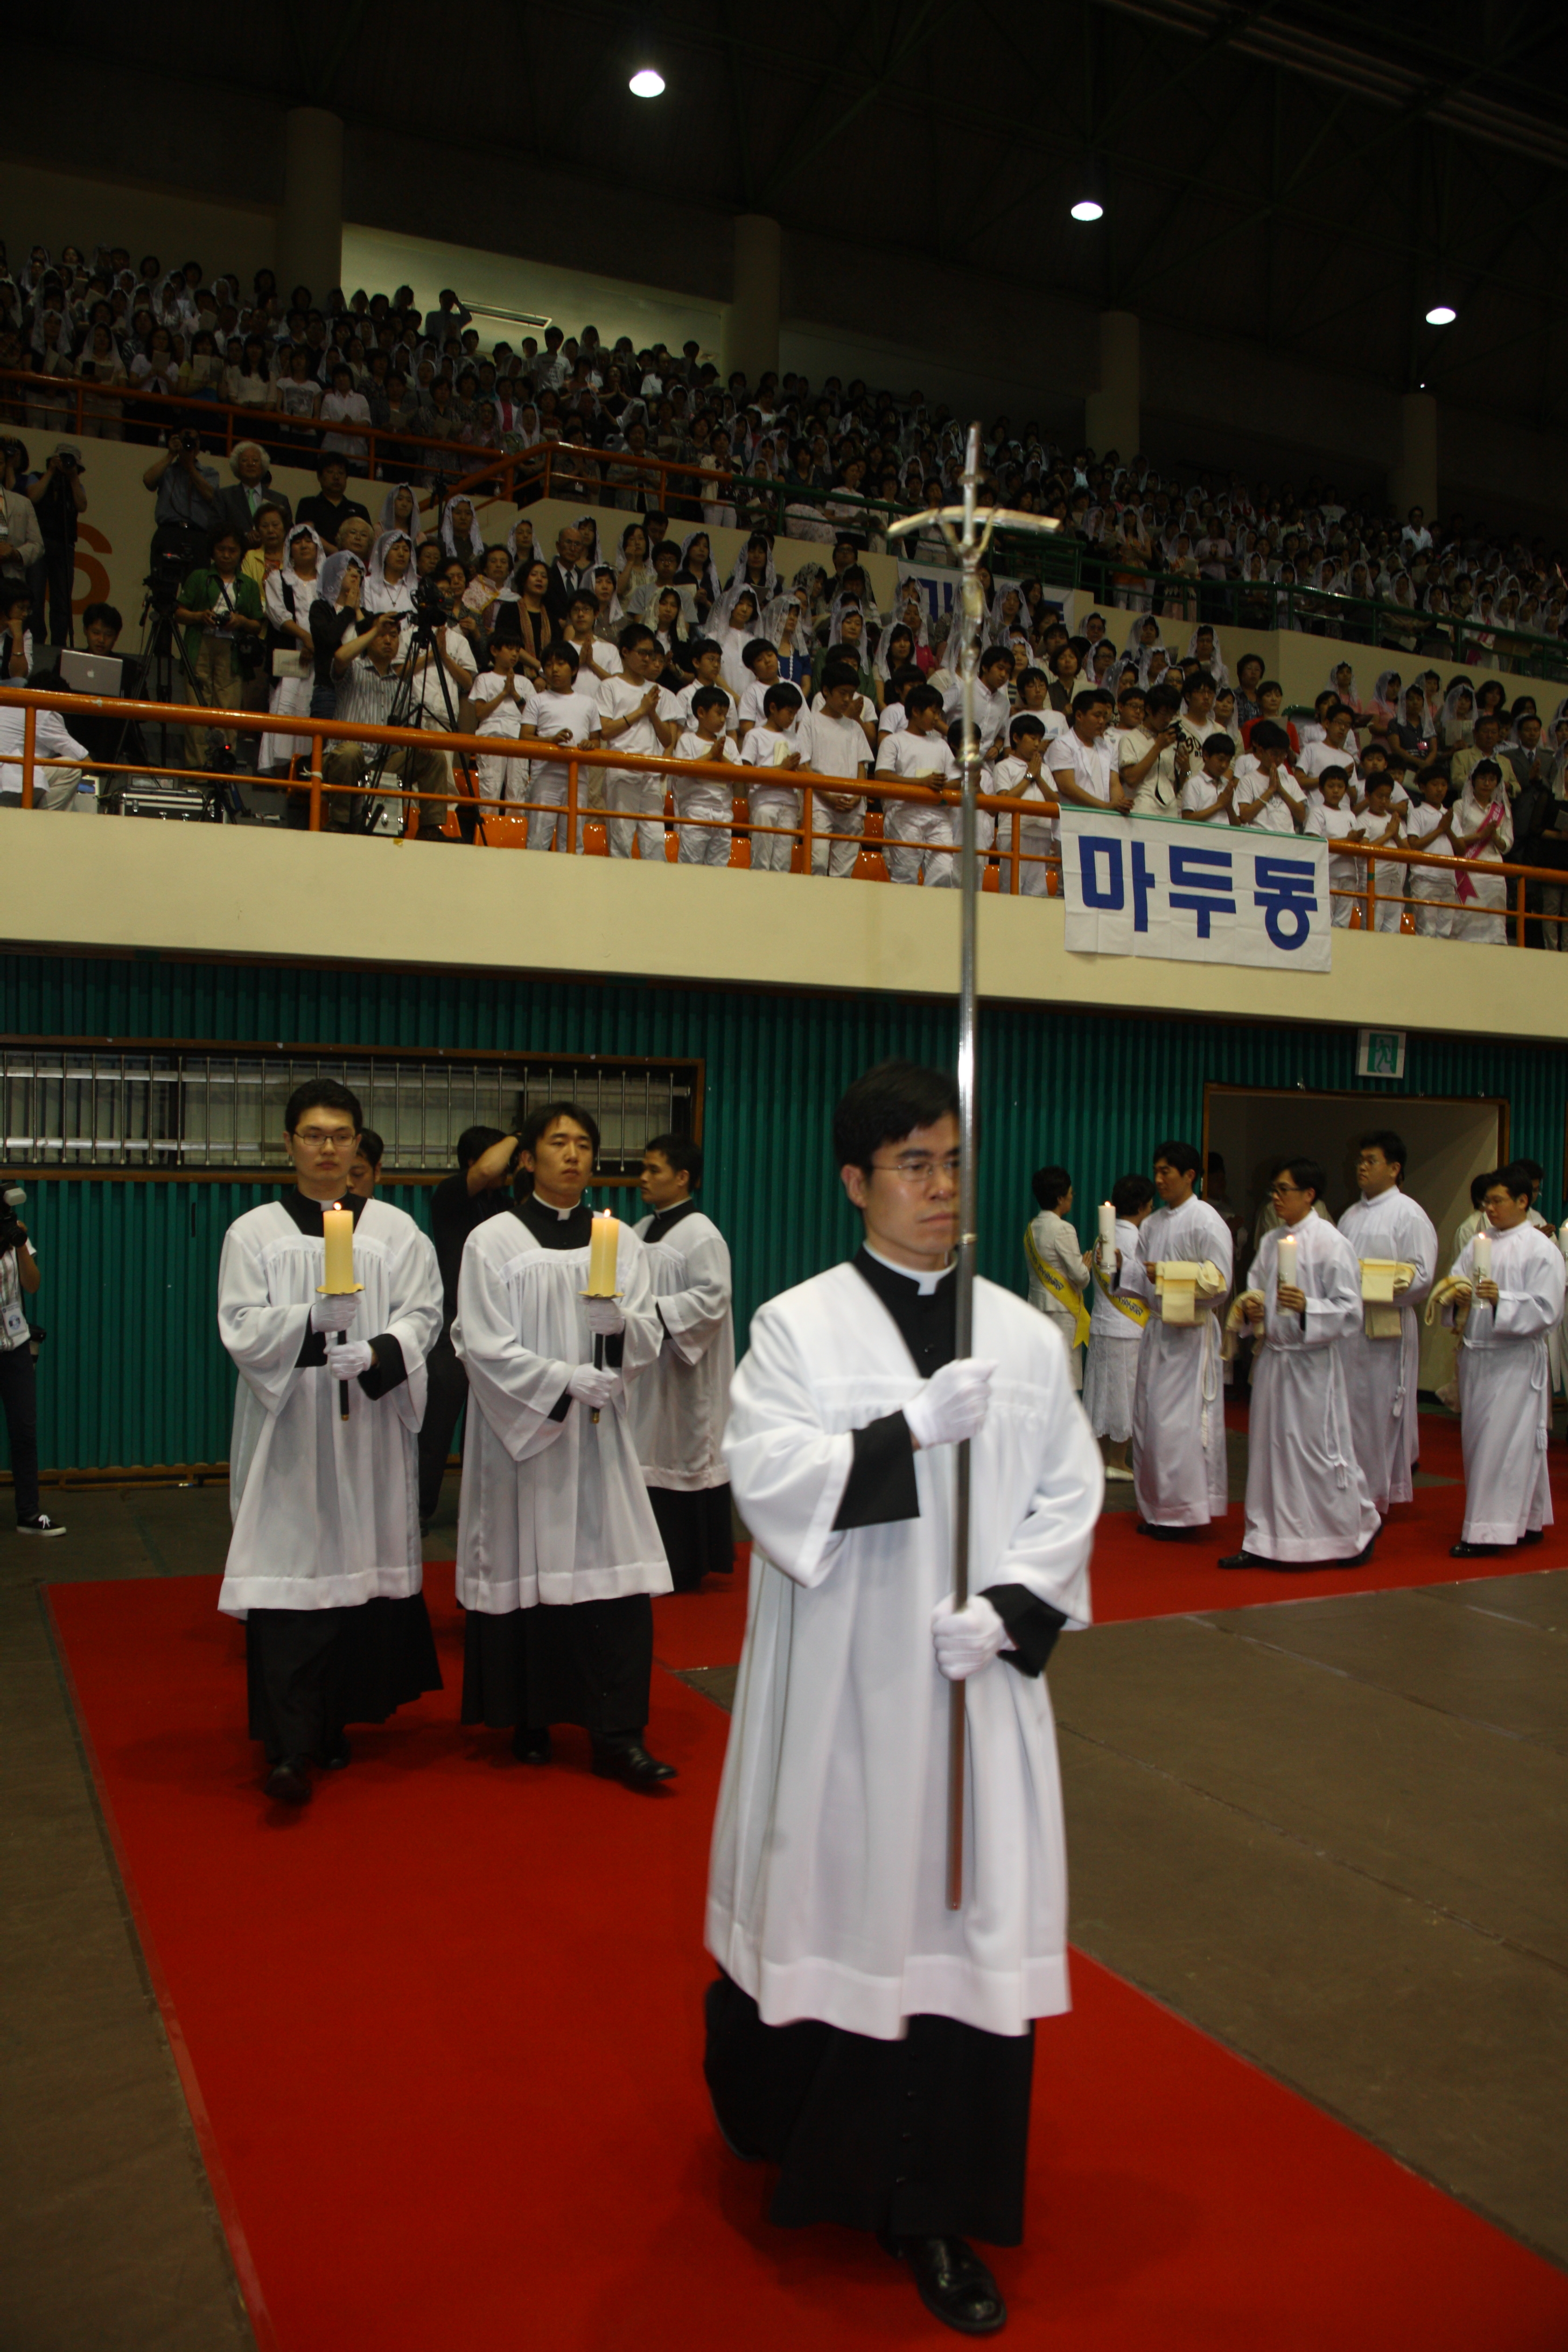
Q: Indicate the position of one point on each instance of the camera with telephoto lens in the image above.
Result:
(429, 605)
(68, 464)
(12, 1196)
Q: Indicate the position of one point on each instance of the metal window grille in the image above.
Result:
(174, 1111)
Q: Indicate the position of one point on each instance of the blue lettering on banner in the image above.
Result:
(1142, 886)
(1112, 897)
(1188, 872)
(1285, 889)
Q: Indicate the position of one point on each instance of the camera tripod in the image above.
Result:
(162, 662)
(408, 711)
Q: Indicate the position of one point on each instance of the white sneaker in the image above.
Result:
(42, 1526)
(1114, 1470)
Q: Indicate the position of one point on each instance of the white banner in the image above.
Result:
(1194, 893)
(939, 584)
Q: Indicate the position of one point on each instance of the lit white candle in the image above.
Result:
(603, 1247)
(1287, 1248)
(338, 1235)
(1483, 1255)
(1107, 1236)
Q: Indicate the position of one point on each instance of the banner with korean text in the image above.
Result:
(1194, 893)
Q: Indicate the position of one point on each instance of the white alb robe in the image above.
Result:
(1180, 1476)
(551, 1512)
(1505, 1391)
(1057, 1245)
(1385, 1374)
(326, 1511)
(1115, 1339)
(825, 1886)
(678, 1406)
(1307, 1495)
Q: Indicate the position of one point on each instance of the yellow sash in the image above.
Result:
(1059, 1287)
(1135, 1309)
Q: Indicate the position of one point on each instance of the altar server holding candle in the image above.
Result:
(558, 1550)
(1514, 1273)
(1117, 1324)
(1179, 1472)
(1383, 1357)
(324, 1563)
(681, 1405)
(1308, 1504)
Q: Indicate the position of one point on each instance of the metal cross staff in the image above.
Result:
(969, 543)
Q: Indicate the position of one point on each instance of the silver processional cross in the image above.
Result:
(969, 542)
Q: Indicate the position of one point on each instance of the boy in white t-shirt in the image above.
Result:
(762, 661)
(503, 705)
(771, 748)
(1381, 828)
(698, 797)
(1334, 822)
(993, 704)
(636, 714)
(706, 657)
(918, 754)
(1208, 796)
(832, 739)
(558, 713)
(1267, 795)
(1429, 825)
(1022, 776)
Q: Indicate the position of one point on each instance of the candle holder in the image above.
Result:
(346, 1292)
(598, 1342)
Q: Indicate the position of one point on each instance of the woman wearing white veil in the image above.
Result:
(1214, 661)
(785, 624)
(704, 576)
(288, 596)
(1456, 723)
(762, 578)
(459, 537)
(402, 507)
(733, 624)
(391, 591)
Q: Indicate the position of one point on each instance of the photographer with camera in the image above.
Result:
(187, 499)
(58, 497)
(21, 539)
(220, 611)
(19, 1279)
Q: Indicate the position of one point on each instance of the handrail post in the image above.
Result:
(574, 841)
(1522, 939)
(30, 753)
(1017, 853)
(317, 748)
(1372, 892)
(805, 809)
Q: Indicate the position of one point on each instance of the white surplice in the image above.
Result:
(825, 1888)
(1115, 1339)
(552, 1511)
(1307, 1495)
(326, 1511)
(678, 1406)
(1179, 1475)
(1505, 1390)
(1385, 1374)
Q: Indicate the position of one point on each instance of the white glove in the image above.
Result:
(953, 1404)
(594, 1387)
(966, 1639)
(347, 1358)
(604, 1316)
(334, 1313)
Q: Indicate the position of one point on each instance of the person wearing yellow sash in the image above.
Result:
(1058, 1270)
(1116, 1327)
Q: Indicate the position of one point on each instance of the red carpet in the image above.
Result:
(441, 2034)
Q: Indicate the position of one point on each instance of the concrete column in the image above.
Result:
(1111, 415)
(311, 225)
(1413, 482)
(751, 337)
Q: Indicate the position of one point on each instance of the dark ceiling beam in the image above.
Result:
(929, 17)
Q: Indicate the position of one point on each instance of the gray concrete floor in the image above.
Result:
(1328, 1831)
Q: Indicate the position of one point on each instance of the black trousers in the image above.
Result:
(696, 1531)
(19, 1397)
(590, 1664)
(446, 1395)
(309, 1672)
(923, 2137)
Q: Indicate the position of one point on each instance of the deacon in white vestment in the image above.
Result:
(324, 1564)
(558, 1551)
(1505, 1388)
(1180, 1476)
(1384, 1357)
(1117, 1323)
(680, 1404)
(1307, 1503)
(872, 2044)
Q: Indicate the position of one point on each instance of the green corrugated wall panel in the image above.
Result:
(132, 1372)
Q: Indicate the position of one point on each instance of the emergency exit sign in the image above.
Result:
(1380, 1053)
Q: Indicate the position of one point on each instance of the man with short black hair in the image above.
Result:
(636, 714)
(1082, 770)
(1179, 1469)
(1307, 1503)
(1508, 1304)
(1383, 1359)
(329, 510)
(678, 1406)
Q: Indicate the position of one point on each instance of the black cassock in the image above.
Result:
(927, 2135)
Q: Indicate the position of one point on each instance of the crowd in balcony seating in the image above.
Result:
(1141, 713)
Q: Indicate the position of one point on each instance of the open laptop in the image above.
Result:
(90, 673)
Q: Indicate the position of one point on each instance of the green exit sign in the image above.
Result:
(1380, 1053)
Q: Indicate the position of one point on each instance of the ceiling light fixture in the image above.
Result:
(1089, 209)
(646, 82)
(1441, 314)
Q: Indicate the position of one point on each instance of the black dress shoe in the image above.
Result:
(339, 1755)
(1359, 1558)
(1533, 1535)
(628, 1762)
(1160, 1535)
(288, 1783)
(529, 1746)
(1243, 1560)
(952, 2282)
(1463, 1550)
